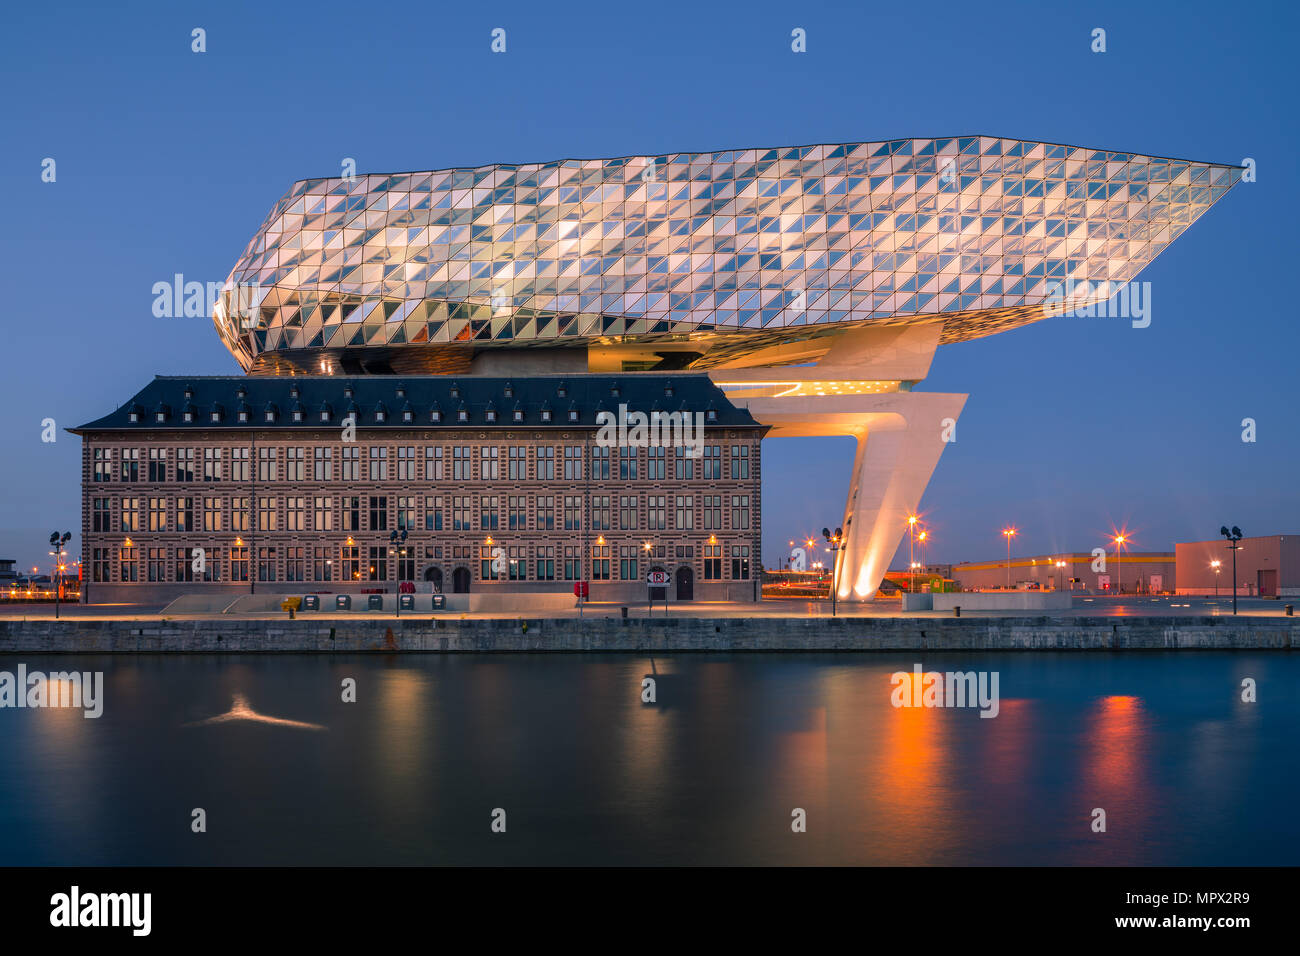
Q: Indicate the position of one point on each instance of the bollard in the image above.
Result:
(956, 610)
(1290, 610)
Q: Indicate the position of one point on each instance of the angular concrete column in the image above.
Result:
(862, 388)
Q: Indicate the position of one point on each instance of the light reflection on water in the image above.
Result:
(1186, 772)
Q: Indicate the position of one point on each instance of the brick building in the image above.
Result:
(300, 483)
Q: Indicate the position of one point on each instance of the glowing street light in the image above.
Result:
(911, 545)
(1009, 533)
(1215, 564)
(1120, 540)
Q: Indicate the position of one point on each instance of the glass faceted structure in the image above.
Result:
(711, 256)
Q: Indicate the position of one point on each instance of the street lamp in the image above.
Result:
(1060, 575)
(1233, 537)
(834, 540)
(396, 540)
(1120, 540)
(1215, 564)
(1009, 533)
(57, 543)
(911, 557)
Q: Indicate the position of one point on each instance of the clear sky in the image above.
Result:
(167, 161)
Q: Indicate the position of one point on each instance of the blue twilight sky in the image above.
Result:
(168, 160)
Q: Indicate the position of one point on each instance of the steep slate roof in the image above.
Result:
(586, 393)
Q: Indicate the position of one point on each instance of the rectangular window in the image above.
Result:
(433, 513)
(130, 470)
(627, 508)
(130, 519)
(433, 463)
(350, 558)
(294, 516)
(157, 514)
(100, 516)
(184, 565)
(239, 464)
(739, 461)
(599, 463)
(211, 564)
(683, 464)
(544, 513)
(627, 563)
(323, 464)
(546, 563)
(600, 562)
(572, 513)
(627, 464)
(656, 459)
(685, 513)
(352, 513)
(323, 514)
(405, 463)
(378, 463)
(712, 512)
(103, 462)
(517, 513)
(185, 513)
(350, 463)
(572, 563)
(518, 564)
(488, 517)
(378, 512)
(266, 470)
(739, 512)
(212, 514)
(461, 508)
(378, 567)
(100, 564)
(712, 462)
(572, 463)
(128, 565)
(490, 463)
(545, 464)
(184, 464)
(239, 516)
(156, 564)
(406, 563)
(739, 562)
(713, 562)
(157, 464)
(322, 568)
(600, 513)
(656, 513)
(293, 569)
(266, 509)
(518, 470)
(266, 564)
(212, 464)
(461, 469)
(293, 463)
(405, 513)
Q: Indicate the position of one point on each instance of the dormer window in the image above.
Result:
(381, 413)
(491, 413)
(188, 414)
(711, 415)
(563, 390)
(160, 417)
(401, 391)
(189, 392)
(614, 390)
(241, 392)
(325, 412)
(133, 416)
(573, 414)
(243, 414)
(216, 413)
(297, 414)
(546, 414)
(269, 415)
(455, 390)
(347, 390)
(510, 390)
(519, 414)
(293, 390)
(408, 415)
(668, 390)
(462, 415)
(435, 415)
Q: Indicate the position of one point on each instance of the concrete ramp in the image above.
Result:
(197, 604)
(256, 603)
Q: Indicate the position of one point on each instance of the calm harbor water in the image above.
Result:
(1187, 773)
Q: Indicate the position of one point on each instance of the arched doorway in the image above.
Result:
(685, 584)
(434, 575)
(460, 581)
